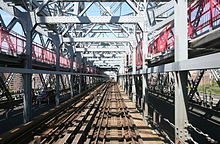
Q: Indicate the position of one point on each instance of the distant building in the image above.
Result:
(206, 79)
(16, 82)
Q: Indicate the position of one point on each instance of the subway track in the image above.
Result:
(113, 123)
(100, 116)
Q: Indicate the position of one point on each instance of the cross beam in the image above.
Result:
(90, 19)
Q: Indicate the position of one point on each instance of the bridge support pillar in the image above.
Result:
(181, 53)
(89, 81)
(71, 70)
(134, 94)
(145, 95)
(79, 59)
(154, 118)
(129, 85)
(123, 82)
(144, 45)
(125, 77)
(93, 81)
(27, 77)
(120, 81)
(57, 42)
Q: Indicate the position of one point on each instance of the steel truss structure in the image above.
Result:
(178, 42)
(152, 44)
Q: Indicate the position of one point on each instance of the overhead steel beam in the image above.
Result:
(33, 71)
(106, 30)
(105, 59)
(164, 8)
(90, 19)
(204, 62)
(108, 63)
(101, 50)
(108, 66)
(100, 0)
(131, 4)
(85, 9)
(162, 23)
(102, 55)
(72, 40)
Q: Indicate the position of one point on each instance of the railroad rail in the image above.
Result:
(50, 123)
(98, 116)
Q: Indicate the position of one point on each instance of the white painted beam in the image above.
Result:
(70, 40)
(164, 8)
(101, 50)
(162, 23)
(90, 19)
(105, 59)
(102, 55)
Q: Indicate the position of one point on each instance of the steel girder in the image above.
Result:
(53, 10)
(90, 19)
(146, 17)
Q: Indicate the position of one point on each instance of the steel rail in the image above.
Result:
(26, 131)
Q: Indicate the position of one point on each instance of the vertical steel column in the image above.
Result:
(122, 82)
(93, 81)
(181, 53)
(154, 116)
(79, 70)
(80, 83)
(129, 84)
(57, 43)
(119, 80)
(122, 78)
(124, 71)
(96, 80)
(144, 68)
(133, 74)
(27, 100)
(85, 82)
(89, 81)
(126, 84)
(71, 70)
